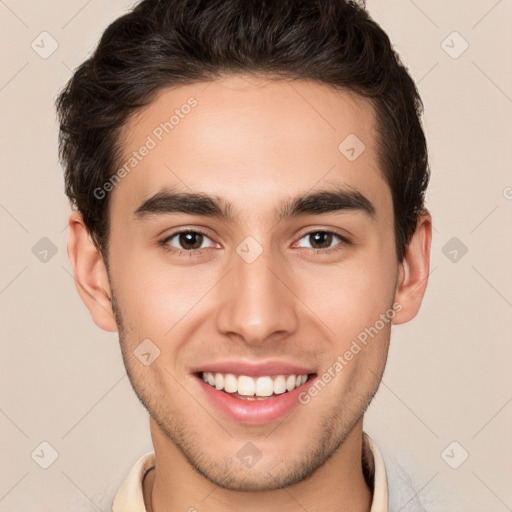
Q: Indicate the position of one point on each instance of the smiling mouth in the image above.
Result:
(245, 387)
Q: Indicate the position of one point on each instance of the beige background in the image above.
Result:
(448, 375)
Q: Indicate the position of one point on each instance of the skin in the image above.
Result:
(254, 142)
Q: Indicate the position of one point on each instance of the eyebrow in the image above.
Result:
(170, 201)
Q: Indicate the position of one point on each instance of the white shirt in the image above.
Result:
(130, 498)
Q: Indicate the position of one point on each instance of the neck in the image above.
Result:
(341, 484)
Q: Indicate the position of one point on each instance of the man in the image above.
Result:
(248, 178)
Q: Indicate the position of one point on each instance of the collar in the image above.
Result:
(129, 497)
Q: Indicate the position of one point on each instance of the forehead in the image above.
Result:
(251, 141)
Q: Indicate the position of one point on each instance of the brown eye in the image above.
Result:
(190, 240)
(320, 240)
(187, 240)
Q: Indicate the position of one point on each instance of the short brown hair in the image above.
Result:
(172, 42)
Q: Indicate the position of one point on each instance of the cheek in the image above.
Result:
(154, 297)
(349, 297)
(142, 293)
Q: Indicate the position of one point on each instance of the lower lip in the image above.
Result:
(254, 412)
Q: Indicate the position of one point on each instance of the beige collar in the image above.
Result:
(129, 497)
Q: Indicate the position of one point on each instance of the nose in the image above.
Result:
(257, 302)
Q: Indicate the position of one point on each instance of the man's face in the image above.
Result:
(252, 288)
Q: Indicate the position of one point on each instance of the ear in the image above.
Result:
(91, 278)
(413, 271)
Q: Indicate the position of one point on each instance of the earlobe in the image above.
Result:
(91, 278)
(414, 271)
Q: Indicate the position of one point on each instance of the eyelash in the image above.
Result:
(182, 252)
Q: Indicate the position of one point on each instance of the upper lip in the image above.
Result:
(253, 369)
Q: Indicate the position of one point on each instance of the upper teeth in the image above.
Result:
(259, 386)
